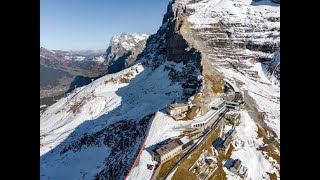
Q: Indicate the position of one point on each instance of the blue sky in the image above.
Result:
(89, 24)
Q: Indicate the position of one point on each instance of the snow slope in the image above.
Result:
(74, 126)
(208, 12)
(163, 127)
(59, 121)
(246, 146)
(265, 94)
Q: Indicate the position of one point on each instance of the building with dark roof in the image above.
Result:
(177, 109)
(239, 169)
(168, 151)
(225, 145)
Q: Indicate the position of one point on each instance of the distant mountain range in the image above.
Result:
(89, 53)
(59, 68)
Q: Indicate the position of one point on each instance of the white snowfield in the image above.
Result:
(246, 145)
(267, 98)
(208, 12)
(100, 98)
(265, 94)
(99, 59)
(59, 121)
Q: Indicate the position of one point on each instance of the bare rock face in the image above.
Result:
(170, 45)
(176, 48)
(271, 67)
(237, 31)
(123, 50)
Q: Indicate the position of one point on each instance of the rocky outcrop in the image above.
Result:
(169, 45)
(175, 41)
(123, 50)
(271, 67)
(231, 35)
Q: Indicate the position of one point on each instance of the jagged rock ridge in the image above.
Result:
(123, 50)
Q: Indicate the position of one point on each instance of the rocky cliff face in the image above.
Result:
(236, 31)
(174, 41)
(271, 67)
(123, 50)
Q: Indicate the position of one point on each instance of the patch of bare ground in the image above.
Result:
(182, 171)
(272, 176)
(271, 144)
(75, 106)
(166, 167)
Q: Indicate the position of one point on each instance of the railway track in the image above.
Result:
(203, 138)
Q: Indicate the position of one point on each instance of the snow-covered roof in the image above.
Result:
(185, 139)
(236, 164)
(216, 102)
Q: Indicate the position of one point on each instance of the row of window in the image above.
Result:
(199, 125)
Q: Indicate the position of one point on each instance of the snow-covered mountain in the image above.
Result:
(89, 53)
(123, 50)
(67, 56)
(95, 132)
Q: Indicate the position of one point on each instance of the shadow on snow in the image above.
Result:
(122, 130)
